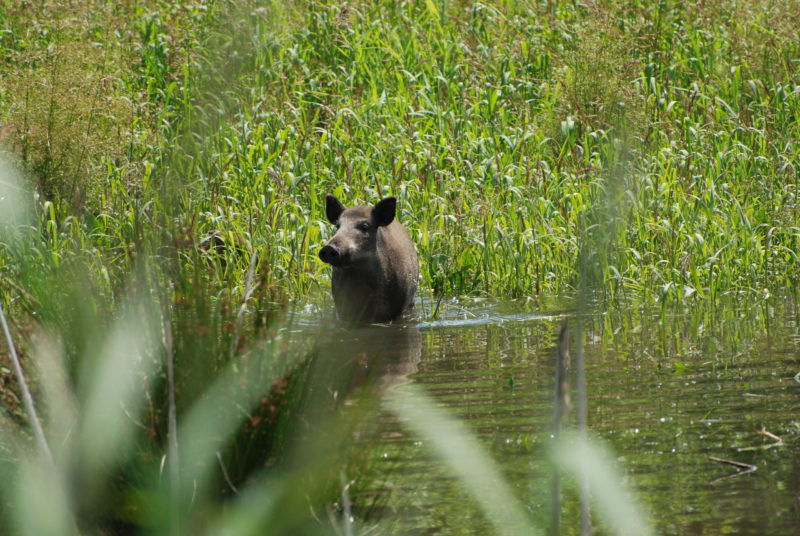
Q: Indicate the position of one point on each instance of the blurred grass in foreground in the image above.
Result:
(259, 449)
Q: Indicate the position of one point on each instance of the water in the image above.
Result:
(666, 391)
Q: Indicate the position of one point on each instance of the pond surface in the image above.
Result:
(666, 391)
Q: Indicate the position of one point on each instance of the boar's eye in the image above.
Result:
(363, 226)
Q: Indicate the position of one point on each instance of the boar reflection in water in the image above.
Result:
(384, 356)
(375, 267)
(378, 358)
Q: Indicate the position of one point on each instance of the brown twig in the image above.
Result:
(778, 442)
(770, 435)
(741, 466)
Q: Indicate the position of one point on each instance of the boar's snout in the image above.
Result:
(330, 254)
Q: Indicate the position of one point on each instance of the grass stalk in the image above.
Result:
(27, 399)
(248, 291)
(466, 459)
(172, 428)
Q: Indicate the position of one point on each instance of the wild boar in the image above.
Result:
(375, 267)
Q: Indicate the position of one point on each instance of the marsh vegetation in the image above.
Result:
(632, 167)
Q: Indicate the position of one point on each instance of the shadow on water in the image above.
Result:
(671, 392)
(376, 358)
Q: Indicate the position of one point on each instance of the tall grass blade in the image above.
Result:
(211, 422)
(172, 425)
(58, 397)
(588, 461)
(467, 460)
(42, 508)
(15, 199)
(27, 399)
(113, 387)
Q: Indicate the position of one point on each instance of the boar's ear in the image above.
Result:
(383, 212)
(333, 208)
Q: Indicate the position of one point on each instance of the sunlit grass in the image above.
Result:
(492, 125)
(664, 136)
(472, 120)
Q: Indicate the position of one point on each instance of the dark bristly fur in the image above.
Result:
(375, 267)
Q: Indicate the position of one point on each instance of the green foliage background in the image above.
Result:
(649, 149)
(663, 134)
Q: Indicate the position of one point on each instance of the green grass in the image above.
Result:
(507, 131)
(647, 150)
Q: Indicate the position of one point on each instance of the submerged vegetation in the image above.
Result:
(164, 167)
